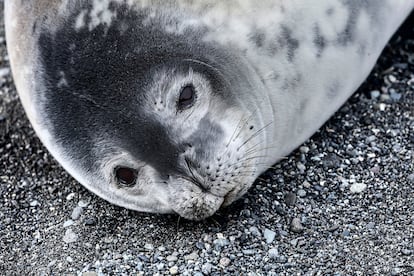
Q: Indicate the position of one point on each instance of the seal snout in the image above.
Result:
(192, 201)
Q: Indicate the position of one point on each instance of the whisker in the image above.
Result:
(254, 157)
(246, 122)
(234, 132)
(254, 135)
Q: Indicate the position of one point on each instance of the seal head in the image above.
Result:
(148, 119)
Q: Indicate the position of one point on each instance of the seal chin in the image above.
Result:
(193, 202)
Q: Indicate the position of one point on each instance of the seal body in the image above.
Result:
(178, 106)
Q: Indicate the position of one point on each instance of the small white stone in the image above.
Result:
(273, 253)
(68, 223)
(358, 187)
(225, 262)
(70, 236)
(392, 78)
(76, 213)
(174, 270)
(83, 203)
(149, 247)
(171, 258)
(269, 235)
(70, 196)
(34, 203)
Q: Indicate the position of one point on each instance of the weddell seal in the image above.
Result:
(178, 106)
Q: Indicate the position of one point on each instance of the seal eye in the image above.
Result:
(186, 98)
(126, 176)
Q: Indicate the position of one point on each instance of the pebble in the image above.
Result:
(70, 196)
(248, 252)
(357, 188)
(290, 199)
(395, 96)
(255, 231)
(371, 225)
(346, 233)
(273, 253)
(376, 169)
(375, 94)
(301, 193)
(269, 235)
(174, 270)
(90, 221)
(83, 203)
(392, 78)
(207, 268)
(301, 167)
(370, 139)
(149, 247)
(200, 245)
(224, 262)
(68, 223)
(220, 243)
(171, 258)
(304, 149)
(296, 226)
(76, 213)
(193, 256)
(70, 236)
(34, 203)
(306, 184)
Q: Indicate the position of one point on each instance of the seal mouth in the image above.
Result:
(191, 200)
(199, 206)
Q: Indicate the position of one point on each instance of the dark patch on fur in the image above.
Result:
(330, 11)
(207, 136)
(287, 41)
(258, 37)
(355, 7)
(319, 40)
(333, 90)
(108, 71)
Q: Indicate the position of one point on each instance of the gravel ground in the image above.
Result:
(342, 204)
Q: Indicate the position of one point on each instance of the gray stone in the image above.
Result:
(76, 213)
(70, 236)
(224, 262)
(269, 235)
(273, 253)
(296, 226)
